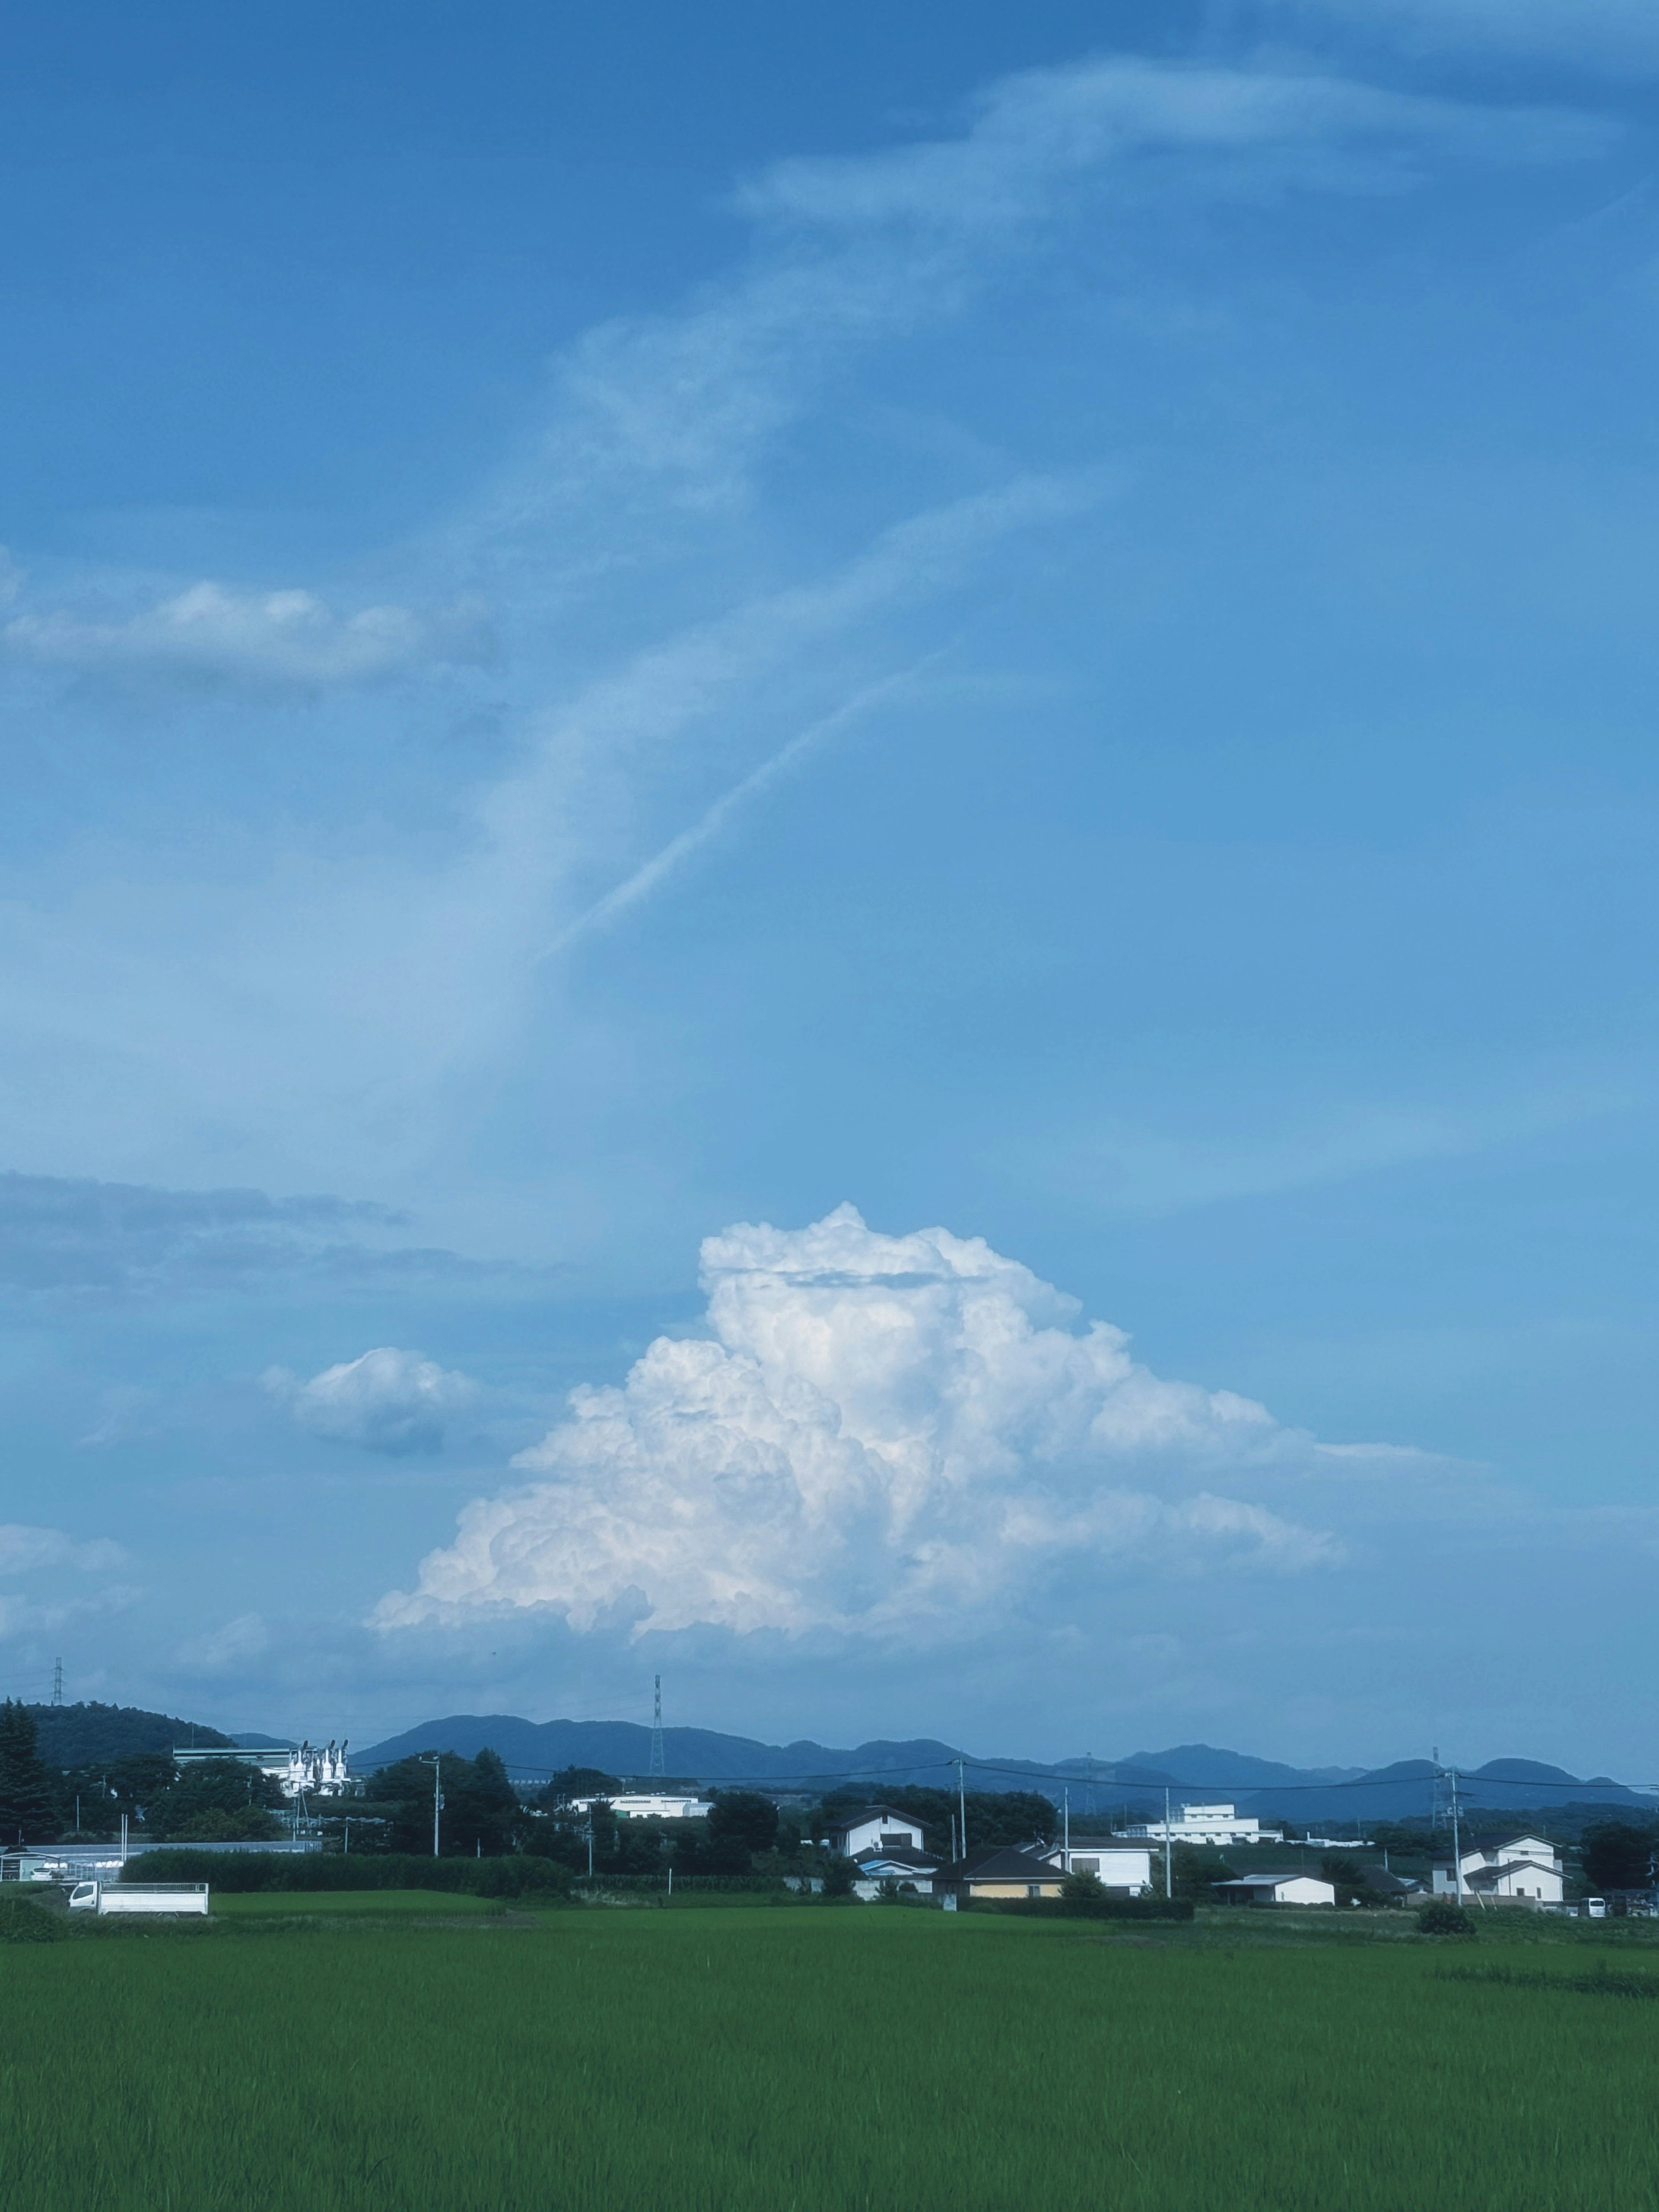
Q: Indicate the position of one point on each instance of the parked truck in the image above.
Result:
(139, 1897)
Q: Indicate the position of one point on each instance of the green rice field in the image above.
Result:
(817, 2060)
(376, 1903)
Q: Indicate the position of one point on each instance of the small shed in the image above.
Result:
(1278, 1886)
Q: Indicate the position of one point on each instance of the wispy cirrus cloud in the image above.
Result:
(1155, 129)
(326, 1004)
(1600, 36)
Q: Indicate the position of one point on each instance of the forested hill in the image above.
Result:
(81, 1736)
(623, 1747)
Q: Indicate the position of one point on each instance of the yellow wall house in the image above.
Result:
(1002, 1872)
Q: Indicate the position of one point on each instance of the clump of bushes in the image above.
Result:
(23, 1920)
(1084, 1894)
(1440, 1916)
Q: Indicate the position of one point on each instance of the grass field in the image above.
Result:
(376, 1903)
(803, 2060)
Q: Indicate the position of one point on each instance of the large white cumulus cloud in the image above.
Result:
(888, 1435)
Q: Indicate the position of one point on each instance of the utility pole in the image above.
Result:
(1169, 1850)
(58, 1681)
(961, 1799)
(656, 1732)
(1066, 1846)
(1457, 1848)
(435, 1761)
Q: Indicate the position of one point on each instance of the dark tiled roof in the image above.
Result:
(1002, 1863)
(859, 1814)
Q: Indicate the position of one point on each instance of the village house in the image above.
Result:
(1278, 1886)
(899, 1865)
(1001, 1871)
(869, 1828)
(1124, 1869)
(1500, 1869)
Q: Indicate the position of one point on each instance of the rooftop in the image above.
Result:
(1000, 1862)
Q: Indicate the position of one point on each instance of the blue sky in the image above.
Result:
(622, 631)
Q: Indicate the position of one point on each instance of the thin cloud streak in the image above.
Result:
(646, 879)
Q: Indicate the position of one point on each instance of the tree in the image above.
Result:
(139, 1778)
(28, 1809)
(839, 1875)
(741, 1823)
(1197, 1871)
(481, 1814)
(1085, 1892)
(577, 1781)
(490, 1811)
(214, 1825)
(1347, 1876)
(218, 1800)
(1618, 1855)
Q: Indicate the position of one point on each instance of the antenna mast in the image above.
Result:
(656, 1732)
(58, 1681)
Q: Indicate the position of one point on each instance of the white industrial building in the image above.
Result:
(647, 1805)
(302, 1770)
(1215, 1825)
(1505, 1870)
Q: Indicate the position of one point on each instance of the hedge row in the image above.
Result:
(238, 1872)
(23, 1920)
(1109, 1908)
(659, 1883)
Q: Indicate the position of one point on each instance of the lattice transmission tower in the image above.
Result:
(656, 1732)
(58, 1681)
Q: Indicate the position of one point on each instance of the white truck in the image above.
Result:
(139, 1897)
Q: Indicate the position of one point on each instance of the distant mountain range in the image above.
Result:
(1332, 1797)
